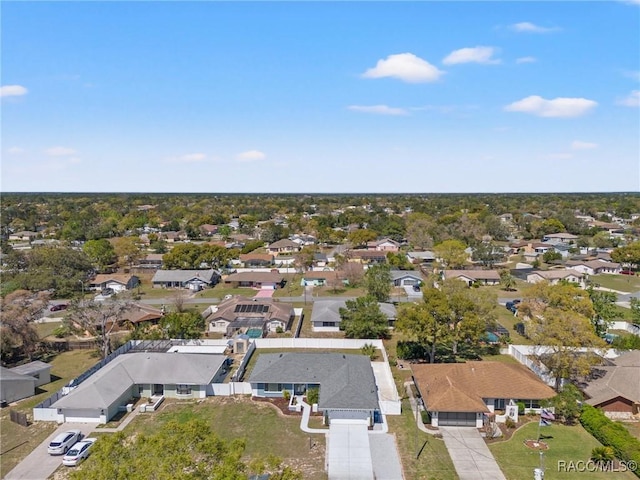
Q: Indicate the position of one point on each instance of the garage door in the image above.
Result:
(456, 419)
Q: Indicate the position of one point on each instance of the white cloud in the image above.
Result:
(59, 151)
(558, 107)
(378, 109)
(528, 27)
(192, 157)
(406, 67)
(526, 60)
(631, 100)
(12, 91)
(579, 145)
(15, 151)
(250, 156)
(472, 55)
(633, 74)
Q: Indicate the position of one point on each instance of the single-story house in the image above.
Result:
(594, 267)
(173, 237)
(347, 386)
(152, 260)
(270, 280)
(241, 314)
(283, 246)
(462, 394)
(560, 238)
(191, 279)
(367, 256)
(555, 276)
(303, 239)
(322, 278)
(284, 260)
(325, 316)
(140, 313)
(405, 278)
(24, 236)
(421, 257)
(384, 245)
(115, 281)
(616, 388)
(256, 260)
(134, 375)
(208, 229)
(320, 260)
(15, 386)
(41, 371)
(485, 277)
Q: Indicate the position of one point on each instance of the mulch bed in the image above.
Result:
(536, 445)
(279, 402)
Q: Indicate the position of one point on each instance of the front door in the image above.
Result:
(158, 389)
(299, 389)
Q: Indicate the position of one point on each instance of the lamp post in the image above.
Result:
(82, 285)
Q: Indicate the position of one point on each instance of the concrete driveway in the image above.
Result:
(470, 454)
(39, 465)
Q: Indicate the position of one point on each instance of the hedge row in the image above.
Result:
(611, 434)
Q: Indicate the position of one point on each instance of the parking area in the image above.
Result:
(348, 451)
(39, 464)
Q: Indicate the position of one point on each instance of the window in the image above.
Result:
(328, 324)
(183, 389)
(498, 403)
(273, 387)
(140, 389)
(530, 403)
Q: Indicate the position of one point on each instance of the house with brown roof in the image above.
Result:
(367, 256)
(283, 246)
(384, 245)
(471, 277)
(208, 229)
(464, 394)
(594, 267)
(615, 387)
(270, 280)
(240, 314)
(556, 276)
(250, 260)
(560, 238)
(115, 281)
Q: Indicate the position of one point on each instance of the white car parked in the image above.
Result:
(78, 452)
(63, 442)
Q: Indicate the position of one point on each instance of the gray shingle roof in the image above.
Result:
(346, 381)
(31, 367)
(105, 386)
(329, 310)
(184, 275)
(398, 274)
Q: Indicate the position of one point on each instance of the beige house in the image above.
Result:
(556, 276)
(484, 277)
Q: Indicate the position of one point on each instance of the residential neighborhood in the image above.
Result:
(354, 341)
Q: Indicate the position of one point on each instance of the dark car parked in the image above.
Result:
(58, 307)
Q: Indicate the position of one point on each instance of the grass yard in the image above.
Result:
(566, 444)
(633, 427)
(622, 283)
(434, 462)
(266, 430)
(508, 320)
(46, 329)
(16, 442)
(220, 290)
(500, 358)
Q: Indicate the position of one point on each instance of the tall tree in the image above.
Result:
(184, 325)
(488, 254)
(100, 252)
(628, 255)
(604, 306)
(127, 249)
(451, 253)
(362, 318)
(558, 319)
(378, 282)
(185, 256)
(361, 236)
(427, 322)
(19, 311)
(100, 318)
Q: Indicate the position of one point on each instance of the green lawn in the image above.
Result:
(46, 329)
(566, 444)
(16, 442)
(220, 290)
(500, 358)
(267, 432)
(622, 283)
(434, 462)
(633, 427)
(508, 320)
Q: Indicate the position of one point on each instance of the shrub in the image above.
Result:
(602, 454)
(509, 423)
(312, 395)
(411, 350)
(286, 394)
(279, 329)
(611, 434)
(426, 418)
(369, 350)
(521, 408)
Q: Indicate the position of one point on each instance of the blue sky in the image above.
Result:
(320, 97)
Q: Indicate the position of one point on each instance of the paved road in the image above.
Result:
(470, 454)
(39, 465)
